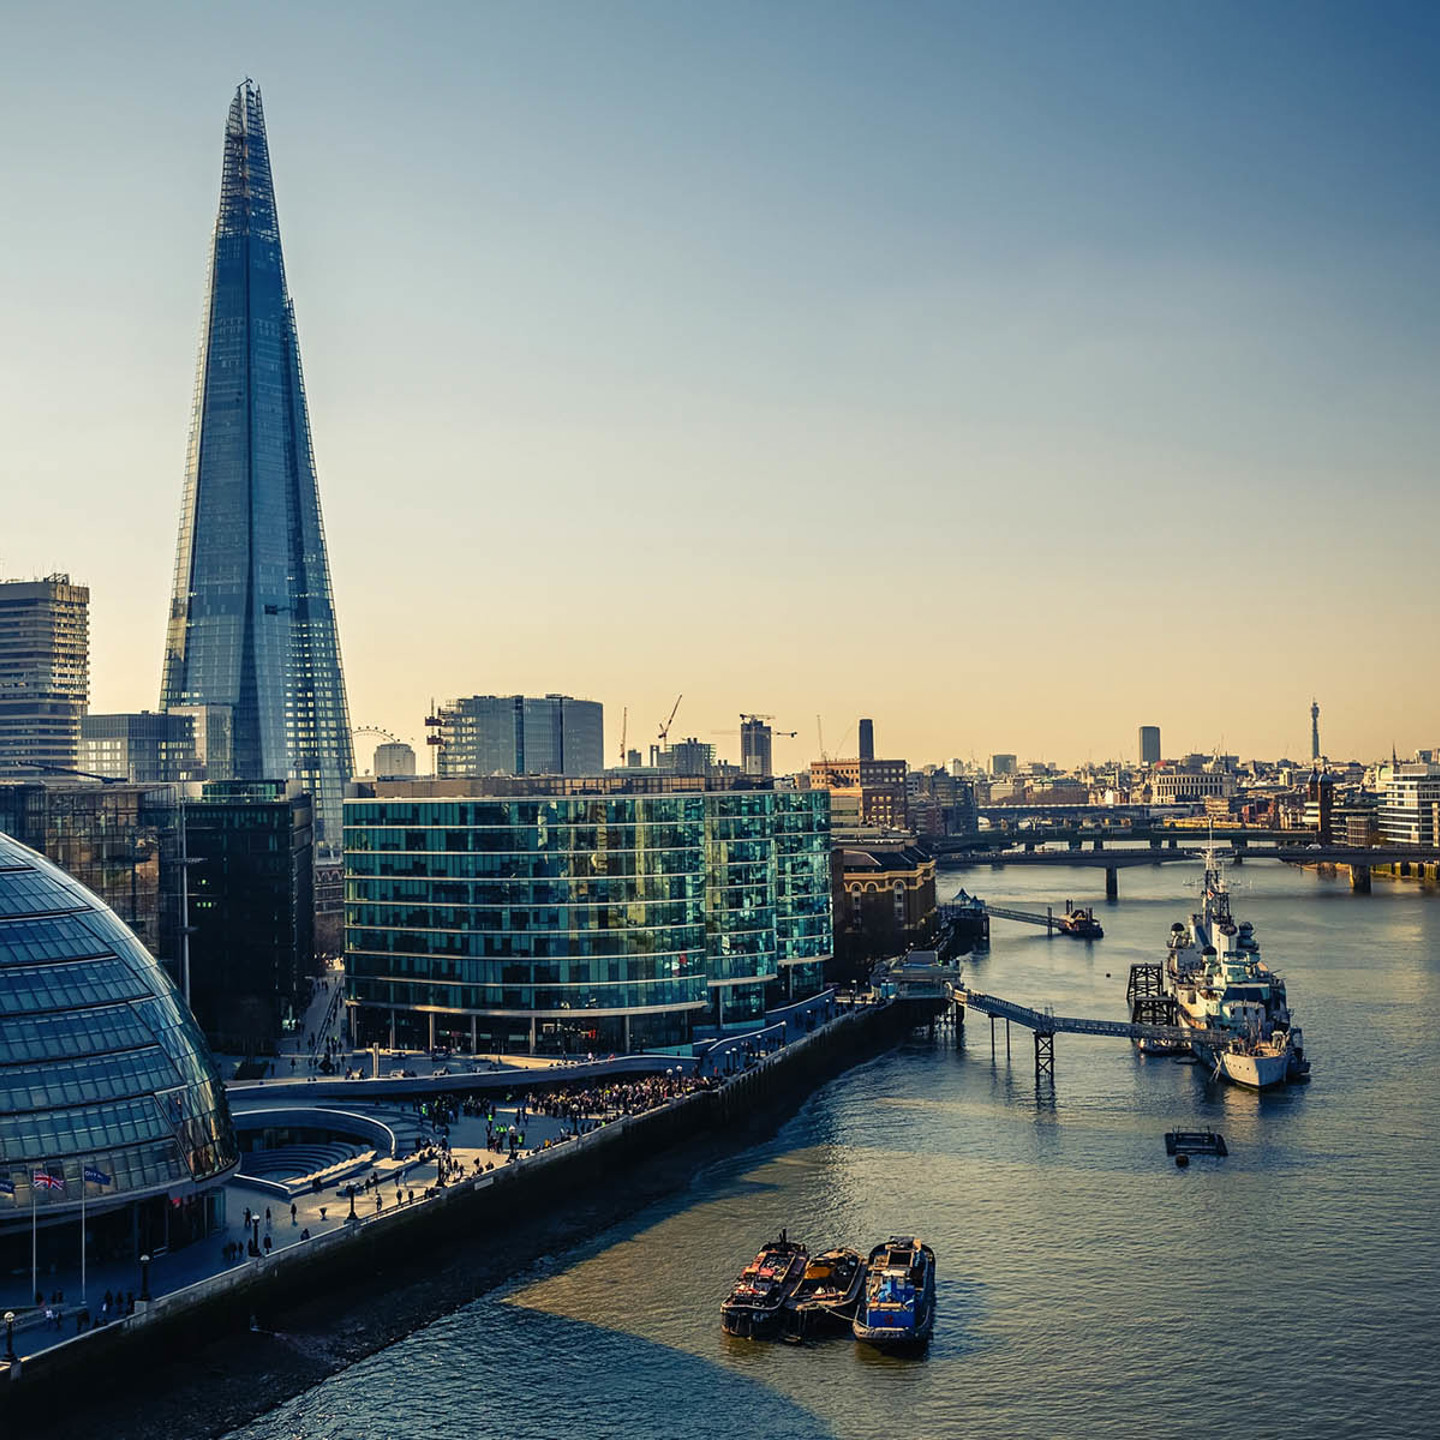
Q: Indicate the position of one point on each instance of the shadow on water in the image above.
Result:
(531, 1375)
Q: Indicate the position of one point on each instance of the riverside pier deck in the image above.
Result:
(1045, 1025)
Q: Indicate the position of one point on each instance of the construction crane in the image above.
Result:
(820, 736)
(665, 728)
(624, 730)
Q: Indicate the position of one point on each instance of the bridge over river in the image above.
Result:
(1356, 859)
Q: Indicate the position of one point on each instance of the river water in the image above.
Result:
(1087, 1286)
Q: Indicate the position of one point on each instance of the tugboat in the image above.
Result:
(755, 1308)
(1082, 924)
(827, 1293)
(897, 1309)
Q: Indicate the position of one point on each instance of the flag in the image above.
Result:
(97, 1177)
(7, 1185)
(44, 1180)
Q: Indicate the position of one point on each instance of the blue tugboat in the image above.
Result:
(897, 1308)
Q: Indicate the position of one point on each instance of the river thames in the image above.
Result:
(1086, 1286)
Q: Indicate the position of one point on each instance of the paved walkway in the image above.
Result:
(316, 1213)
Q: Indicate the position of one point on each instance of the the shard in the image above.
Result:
(252, 622)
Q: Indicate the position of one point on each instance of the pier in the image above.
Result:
(1052, 924)
(1045, 1025)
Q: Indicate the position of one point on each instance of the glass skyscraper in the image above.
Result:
(252, 622)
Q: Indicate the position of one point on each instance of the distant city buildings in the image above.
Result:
(877, 787)
(1410, 811)
(520, 735)
(1001, 765)
(252, 622)
(44, 672)
(689, 756)
(1149, 744)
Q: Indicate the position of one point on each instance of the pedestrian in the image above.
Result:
(379, 1201)
(129, 1302)
(294, 1211)
(305, 1234)
(267, 1217)
(267, 1244)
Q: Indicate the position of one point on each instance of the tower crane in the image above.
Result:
(665, 728)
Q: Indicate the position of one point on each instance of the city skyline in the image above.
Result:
(967, 359)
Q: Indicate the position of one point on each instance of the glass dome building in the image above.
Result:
(108, 1096)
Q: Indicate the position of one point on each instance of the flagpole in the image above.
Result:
(82, 1231)
(34, 1233)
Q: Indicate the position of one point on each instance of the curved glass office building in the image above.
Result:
(576, 915)
(107, 1092)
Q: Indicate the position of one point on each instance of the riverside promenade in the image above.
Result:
(445, 1162)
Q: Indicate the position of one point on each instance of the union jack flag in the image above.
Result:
(44, 1180)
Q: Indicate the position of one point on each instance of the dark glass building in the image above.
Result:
(252, 911)
(252, 623)
(106, 1088)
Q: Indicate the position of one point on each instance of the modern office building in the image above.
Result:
(1149, 744)
(1001, 765)
(1410, 811)
(120, 841)
(44, 672)
(108, 1097)
(603, 913)
(252, 910)
(252, 621)
(521, 735)
(148, 748)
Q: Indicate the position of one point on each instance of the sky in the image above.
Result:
(1013, 373)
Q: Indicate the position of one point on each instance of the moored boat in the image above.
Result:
(897, 1307)
(827, 1294)
(755, 1306)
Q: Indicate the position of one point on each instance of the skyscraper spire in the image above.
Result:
(252, 621)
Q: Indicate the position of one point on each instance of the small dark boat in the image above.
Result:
(827, 1293)
(897, 1307)
(756, 1306)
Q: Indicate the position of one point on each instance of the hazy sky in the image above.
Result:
(1014, 373)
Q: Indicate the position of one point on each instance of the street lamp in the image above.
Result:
(10, 1336)
(350, 1191)
(145, 1277)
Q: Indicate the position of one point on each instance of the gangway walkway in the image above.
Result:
(1046, 1025)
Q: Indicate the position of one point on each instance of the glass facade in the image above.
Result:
(521, 735)
(252, 621)
(804, 931)
(102, 1067)
(573, 921)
